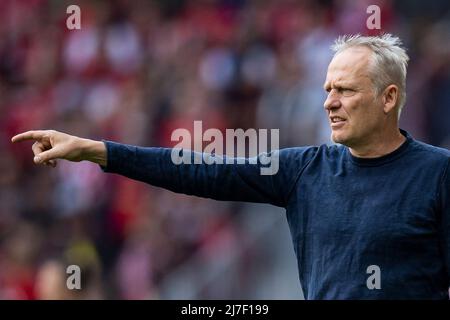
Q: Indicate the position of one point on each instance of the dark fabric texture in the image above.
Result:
(345, 213)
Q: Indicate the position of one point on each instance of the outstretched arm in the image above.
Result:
(220, 181)
(238, 182)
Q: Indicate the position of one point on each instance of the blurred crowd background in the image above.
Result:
(136, 71)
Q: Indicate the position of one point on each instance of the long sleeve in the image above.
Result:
(231, 182)
(444, 197)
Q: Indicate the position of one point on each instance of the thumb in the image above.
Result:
(46, 156)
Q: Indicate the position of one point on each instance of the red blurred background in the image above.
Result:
(136, 71)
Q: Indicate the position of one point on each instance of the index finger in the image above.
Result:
(29, 135)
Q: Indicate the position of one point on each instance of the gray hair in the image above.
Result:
(389, 61)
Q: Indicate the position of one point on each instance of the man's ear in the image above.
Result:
(390, 98)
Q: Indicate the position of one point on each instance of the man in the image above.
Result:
(369, 218)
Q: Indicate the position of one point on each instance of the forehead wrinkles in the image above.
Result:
(353, 64)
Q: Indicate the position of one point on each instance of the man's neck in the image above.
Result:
(379, 146)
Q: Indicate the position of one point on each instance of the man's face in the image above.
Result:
(354, 111)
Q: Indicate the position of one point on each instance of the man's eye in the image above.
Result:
(346, 91)
(343, 91)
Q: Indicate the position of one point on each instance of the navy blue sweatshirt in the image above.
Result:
(362, 228)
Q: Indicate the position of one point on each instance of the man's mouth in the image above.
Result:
(337, 121)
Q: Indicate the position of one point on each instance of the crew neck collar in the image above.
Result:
(372, 162)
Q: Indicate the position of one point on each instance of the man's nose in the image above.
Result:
(331, 102)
